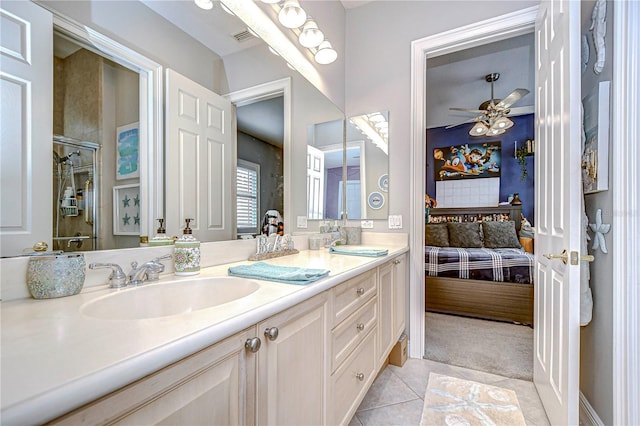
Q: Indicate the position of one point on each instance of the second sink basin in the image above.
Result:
(173, 298)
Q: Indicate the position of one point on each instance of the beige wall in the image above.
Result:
(378, 43)
(596, 339)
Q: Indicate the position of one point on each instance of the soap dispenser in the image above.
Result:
(161, 238)
(187, 253)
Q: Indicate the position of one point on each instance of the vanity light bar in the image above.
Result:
(290, 15)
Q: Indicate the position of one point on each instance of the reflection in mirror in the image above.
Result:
(367, 166)
(93, 98)
(325, 159)
(168, 35)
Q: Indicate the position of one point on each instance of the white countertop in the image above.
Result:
(55, 359)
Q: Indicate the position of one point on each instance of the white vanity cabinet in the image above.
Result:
(291, 376)
(310, 364)
(211, 387)
(354, 323)
(392, 301)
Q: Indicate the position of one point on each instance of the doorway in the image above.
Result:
(519, 23)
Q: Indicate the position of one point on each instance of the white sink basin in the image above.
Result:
(173, 298)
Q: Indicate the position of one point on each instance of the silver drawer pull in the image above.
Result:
(360, 376)
(360, 326)
(360, 291)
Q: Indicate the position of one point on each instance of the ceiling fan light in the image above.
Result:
(204, 4)
(479, 129)
(310, 36)
(292, 15)
(325, 54)
(503, 123)
(495, 132)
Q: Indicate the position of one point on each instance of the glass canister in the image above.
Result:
(57, 275)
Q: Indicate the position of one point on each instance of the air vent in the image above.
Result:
(243, 35)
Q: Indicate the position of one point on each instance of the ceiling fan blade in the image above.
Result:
(475, 111)
(529, 109)
(473, 120)
(512, 98)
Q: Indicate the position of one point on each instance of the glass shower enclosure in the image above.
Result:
(74, 194)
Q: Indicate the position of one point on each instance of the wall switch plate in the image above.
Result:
(395, 221)
(302, 222)
(366, 224)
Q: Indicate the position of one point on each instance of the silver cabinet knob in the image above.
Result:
(360, 327)
(253, 344)
(271, 333)
(396, 261)
(360, 376)
(360, 291)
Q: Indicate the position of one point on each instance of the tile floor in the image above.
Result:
(396, 396)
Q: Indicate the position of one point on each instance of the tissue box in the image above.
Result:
(398, 354)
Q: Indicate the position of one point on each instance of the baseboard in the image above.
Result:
(588, 416)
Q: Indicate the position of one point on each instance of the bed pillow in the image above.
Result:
(500, 234)
(465, 234)
(436, 234)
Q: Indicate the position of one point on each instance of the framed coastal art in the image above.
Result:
(126, 210)
(468, 161)
(595, 137)
(127, 152)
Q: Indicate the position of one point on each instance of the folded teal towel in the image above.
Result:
(358, 251)
(283, 274)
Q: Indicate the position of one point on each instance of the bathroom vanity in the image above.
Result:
(283, 354)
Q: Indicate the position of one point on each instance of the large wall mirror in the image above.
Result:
(349, 180)
(211, 48)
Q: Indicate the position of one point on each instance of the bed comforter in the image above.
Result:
(504, 265)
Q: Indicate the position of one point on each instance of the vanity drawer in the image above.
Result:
(349, 333)
(352, 294)
(352, 380)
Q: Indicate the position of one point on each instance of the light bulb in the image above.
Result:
(310, 36)
(503, 123)
(479, 129)
(292, 15)
(204, 4)
(325, 54)
(495, 132)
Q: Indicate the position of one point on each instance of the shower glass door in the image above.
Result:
(74, 194)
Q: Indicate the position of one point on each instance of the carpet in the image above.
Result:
(452, 401)
(490, 346)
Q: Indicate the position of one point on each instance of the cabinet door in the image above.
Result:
(399, 295)
(292, 367)
(385, 323)
(212, 387)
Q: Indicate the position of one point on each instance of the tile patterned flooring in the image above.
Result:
(396, 396)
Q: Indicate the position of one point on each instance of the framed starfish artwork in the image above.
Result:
(126, 209)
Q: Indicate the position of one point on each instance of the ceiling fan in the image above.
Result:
(494, 112)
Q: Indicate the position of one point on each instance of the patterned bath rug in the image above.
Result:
(455, 402)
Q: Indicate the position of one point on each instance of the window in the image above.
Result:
(247, 190)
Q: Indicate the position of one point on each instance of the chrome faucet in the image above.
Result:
(149, 271)
(117, 278)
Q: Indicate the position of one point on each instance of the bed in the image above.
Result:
(477, 268)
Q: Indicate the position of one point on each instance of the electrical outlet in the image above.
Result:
(302, 222)
(366, 224)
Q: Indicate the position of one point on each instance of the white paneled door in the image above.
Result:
(26, 126)
(558, 210)
(199, 160)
